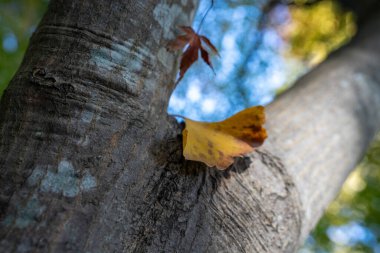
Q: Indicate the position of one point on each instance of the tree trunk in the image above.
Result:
(90, 161)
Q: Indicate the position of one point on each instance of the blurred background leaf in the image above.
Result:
(317, 29)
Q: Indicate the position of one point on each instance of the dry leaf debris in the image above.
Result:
(217, 143)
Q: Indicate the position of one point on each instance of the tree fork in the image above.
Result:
(90, 161)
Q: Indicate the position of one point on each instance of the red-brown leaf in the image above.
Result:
(194, 45)
(179, 43)
(206, 58)
(188, 30)
(209, 44)
(188, 58)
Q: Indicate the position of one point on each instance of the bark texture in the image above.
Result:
(322, 126)
(90, 161)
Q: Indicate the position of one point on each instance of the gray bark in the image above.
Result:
(90, 161)
(322, 126)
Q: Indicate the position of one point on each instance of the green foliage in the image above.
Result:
(355, 214)
(18, 19)
(317, 29)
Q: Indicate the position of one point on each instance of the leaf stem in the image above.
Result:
(204, 16)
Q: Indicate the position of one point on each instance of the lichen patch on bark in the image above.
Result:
(165, 58)
(25, 215)
(65, 180)
(165, 15)
(128, 62)
(87, 116)
(88, 182)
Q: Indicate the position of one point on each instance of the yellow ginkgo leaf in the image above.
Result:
(217, 143)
